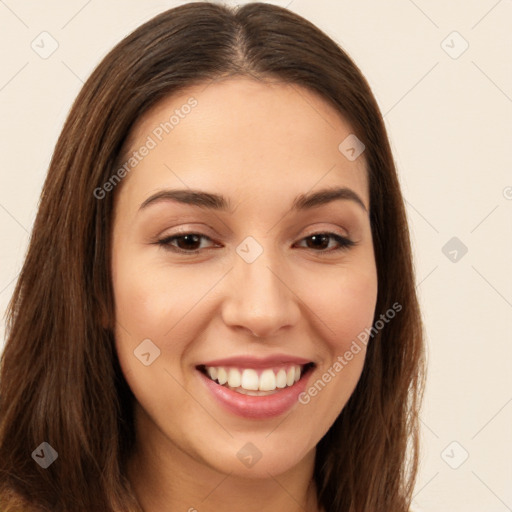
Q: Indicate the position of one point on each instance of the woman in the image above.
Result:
(217, 309)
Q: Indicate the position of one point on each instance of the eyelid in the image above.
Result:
(189, 229)
(330, 230)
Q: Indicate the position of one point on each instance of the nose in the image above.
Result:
(259, 297)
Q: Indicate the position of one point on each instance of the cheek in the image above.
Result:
(139, 298)
(163, 305)
(150, 300)
(346, 306)
(149, 305)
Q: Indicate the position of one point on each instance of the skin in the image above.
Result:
(260, 145)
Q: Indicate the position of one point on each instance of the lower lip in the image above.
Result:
(256, 407)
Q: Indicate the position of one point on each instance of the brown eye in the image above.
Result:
(191, 242)
(320, 242)
(186, 243)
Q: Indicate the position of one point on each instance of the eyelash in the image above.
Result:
(344, 243)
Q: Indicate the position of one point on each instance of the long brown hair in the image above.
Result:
(60, 380)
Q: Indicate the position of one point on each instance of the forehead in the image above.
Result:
(244, 136)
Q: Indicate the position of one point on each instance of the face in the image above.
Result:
(253, 282)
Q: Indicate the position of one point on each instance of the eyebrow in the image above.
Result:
(220, 203)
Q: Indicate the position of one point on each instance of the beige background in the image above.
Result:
(449, 118)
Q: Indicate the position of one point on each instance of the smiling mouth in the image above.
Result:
(257, 381)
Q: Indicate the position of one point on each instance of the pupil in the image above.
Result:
(321, 238)
(190, 239)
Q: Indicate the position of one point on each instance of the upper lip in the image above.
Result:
(257, 362)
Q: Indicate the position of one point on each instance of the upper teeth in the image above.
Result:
(250, 379)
